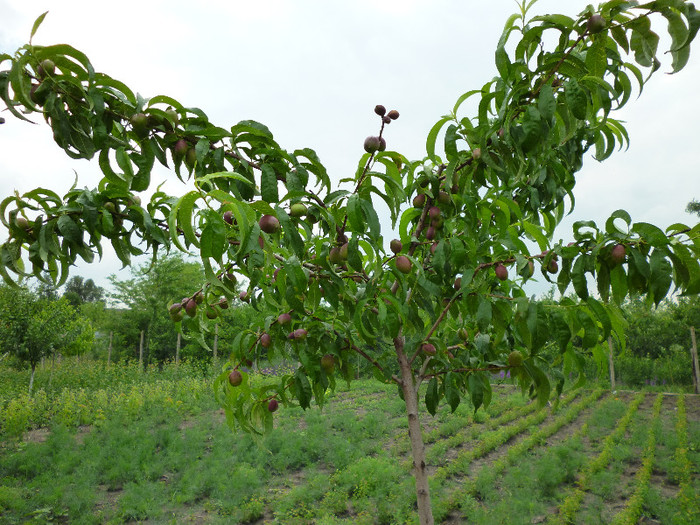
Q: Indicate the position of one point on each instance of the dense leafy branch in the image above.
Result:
(449, 304)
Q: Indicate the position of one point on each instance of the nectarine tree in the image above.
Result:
(312, 255)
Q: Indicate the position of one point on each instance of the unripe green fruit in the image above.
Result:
(284, 318)
(328, 363)
(223, 303)
(434, 212)
(380, 110)
(428, 349)
(21, 223)
(334, 255)
(191, 158)
(228, 217)
(139, 123)
(595, 24)
(235, 378)
(272, 405)
(46, 67)
(419, 200)
(403, 264)
(443, 197)
(501, 272)
(393, 114)
(243, 296)
(476, 153)
(173, 116)
(515, 358)
(372, 144)
(530, 268)
(38, 94)
(266, 340)
(211, 313)
(553, 266)
(297, 210)
(199, 297)
(396, 246)
(269, 224)
(191, 308)
(617, 255)
(110, 207)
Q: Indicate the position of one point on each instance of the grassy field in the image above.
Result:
(120, 445)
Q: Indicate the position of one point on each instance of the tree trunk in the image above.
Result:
(141, 351)
(177, 349)
(109, 349)
(31, 378)
(409, 388)
(216, 340)
(612, 364)
(694, 356)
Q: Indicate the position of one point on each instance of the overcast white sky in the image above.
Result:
(312, 71)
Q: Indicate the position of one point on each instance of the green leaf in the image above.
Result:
(601, 314)
(535, 232)
(546, 103)
(541, 382)
(650, 233)
(661, 276)
(302, 389)
(578, 278)
(69, 229)
(432, 137)
(576, 99)
(185, 212)
(484, 314)
(618, 279)
(354, 211)
(268, 184)
(213, 240)
(432, 397)
(372, 219)
(37, 23)
(596, 58)
(452, 391)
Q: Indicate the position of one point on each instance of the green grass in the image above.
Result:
(348, 463)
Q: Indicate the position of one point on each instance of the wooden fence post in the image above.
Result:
(611, 364)
(694, 357)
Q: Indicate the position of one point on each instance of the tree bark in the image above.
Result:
(409, 388)
(177, 349)
(694, 356)
(141, 351)
(31, 378)
(216, 341)
(612, 364)
(109, 349)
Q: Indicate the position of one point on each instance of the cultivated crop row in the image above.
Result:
(487, 475)
(572, 503)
